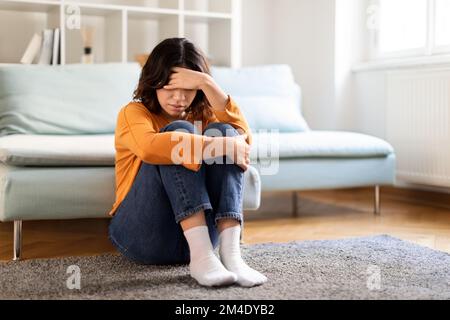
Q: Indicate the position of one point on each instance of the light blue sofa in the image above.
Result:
(57, 140)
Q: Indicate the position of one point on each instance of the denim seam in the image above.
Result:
(191, 211)
(115, 242)
(228, 215)
(241, 198)
(181, 188)
(241, 194)
(125, 252)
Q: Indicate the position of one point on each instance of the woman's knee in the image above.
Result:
(220, 129)
(179, 125)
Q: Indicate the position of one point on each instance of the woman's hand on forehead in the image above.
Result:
(183, 78)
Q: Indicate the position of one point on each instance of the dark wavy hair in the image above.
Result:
(170, 53)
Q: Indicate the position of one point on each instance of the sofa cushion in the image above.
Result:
(57, 150)
(69, 99)
(265, 80)
(267, 95)
(98, 150)
(272, 112)
(318, 144)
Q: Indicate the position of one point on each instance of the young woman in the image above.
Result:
(176, 211)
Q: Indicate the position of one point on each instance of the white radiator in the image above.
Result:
(417, 125)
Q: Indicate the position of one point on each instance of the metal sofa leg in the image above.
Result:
(17, 250)
(377, 200)
(294, 203)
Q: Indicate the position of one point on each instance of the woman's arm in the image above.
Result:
(214, 93)
(236, 148)
(137, 133)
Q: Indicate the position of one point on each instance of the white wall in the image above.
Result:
(23, 28)
(299, 33)
(370, 103)
(257, 32)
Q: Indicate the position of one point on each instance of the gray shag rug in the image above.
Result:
(379, 267)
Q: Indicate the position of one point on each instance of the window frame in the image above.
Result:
(428, 50)
(435, 49)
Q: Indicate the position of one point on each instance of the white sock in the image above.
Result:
(230, 254)
(205, 266)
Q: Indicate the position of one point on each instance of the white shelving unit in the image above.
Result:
(124, 29)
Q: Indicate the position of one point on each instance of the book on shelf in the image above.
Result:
(47, 47)
(55, 54)
(32, 50)
(44, 48)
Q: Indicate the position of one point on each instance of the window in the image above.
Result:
(412, 28)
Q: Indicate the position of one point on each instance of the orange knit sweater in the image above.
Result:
(137, 139)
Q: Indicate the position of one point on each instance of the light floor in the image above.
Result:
(328, 214)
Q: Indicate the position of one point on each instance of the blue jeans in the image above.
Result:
(145, 227)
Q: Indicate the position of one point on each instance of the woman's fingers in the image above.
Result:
(243, 151)
(244, 136)
(172, 81)
(174, 76)
(180, 84)
(244, 167)
(172, 85)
